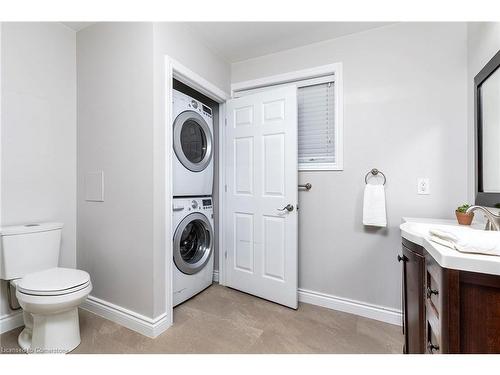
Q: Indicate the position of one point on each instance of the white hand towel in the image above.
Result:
(468, 240)
(374, 206)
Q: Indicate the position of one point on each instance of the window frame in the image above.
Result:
(301, 78)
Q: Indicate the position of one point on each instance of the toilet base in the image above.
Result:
(51, 334)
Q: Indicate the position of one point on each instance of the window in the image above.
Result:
(320, 113)
(316, 126)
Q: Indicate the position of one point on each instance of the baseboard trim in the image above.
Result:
(216, 276)
(366, 310)
(127, 318)
(10, 321)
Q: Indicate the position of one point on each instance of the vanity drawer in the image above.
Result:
(433, 340)
(433, 305)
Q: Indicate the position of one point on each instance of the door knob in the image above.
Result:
(401, 258)
(288, 207)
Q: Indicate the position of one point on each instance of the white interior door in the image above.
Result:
(261, 179)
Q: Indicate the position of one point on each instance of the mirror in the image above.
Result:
(487, 118)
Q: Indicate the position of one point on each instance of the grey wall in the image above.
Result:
(404, 113)
(121, 131)
(115, 135)
(483, 42)
(38, 148)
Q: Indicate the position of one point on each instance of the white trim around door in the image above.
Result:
(279, 79)
(174, 69)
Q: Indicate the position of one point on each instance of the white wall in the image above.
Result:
(404, 113)
(39, 130)
(121, 131)
(483, 42)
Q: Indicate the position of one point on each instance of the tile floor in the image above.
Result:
(223, 320)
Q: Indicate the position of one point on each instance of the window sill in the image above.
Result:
(320, 167)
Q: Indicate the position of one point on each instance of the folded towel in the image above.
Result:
(468, 240)
(374, 206)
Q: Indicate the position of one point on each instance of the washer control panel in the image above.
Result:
(193, 204)
(207, 203)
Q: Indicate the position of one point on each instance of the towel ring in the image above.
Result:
(375, 172)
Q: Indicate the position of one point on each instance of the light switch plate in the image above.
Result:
(423, 186)
(94, 186)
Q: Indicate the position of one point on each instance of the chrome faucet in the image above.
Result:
(493, 220)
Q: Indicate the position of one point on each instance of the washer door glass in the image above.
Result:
(192, 141)
(193, 243)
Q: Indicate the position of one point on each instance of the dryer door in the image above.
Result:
(193, 243)
(193, 143)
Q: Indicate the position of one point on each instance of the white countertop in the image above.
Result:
(416, 230)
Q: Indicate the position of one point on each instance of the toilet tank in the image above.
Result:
(29, 248)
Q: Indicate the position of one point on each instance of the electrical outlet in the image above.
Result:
(423, 186)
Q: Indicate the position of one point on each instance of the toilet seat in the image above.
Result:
(53, 282)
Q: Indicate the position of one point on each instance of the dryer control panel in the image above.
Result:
(200, 107)
(187, 102)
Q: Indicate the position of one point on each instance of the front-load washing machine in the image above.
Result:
(193, 246)
(193, 147)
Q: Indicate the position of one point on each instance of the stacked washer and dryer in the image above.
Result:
(193, 225)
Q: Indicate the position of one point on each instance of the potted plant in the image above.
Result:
(463, 217)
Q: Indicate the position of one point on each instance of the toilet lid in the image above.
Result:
(54, 281)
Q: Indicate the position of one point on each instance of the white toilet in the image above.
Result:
(48, 295)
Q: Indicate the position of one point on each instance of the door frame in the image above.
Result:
(174, 69)
(290, 77)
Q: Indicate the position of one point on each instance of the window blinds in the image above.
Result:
(316, 124)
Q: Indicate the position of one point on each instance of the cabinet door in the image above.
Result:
(413, 289)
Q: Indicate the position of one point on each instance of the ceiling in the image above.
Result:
(77, 26)
(237, 41)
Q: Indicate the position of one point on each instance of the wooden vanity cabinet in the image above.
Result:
(413, 271)
(458, 311)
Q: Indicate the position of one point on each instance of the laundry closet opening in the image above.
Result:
(240, 158)
(195, 214)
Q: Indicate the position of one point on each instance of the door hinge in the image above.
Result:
(225, 254)
(225, 188)
(225, 121)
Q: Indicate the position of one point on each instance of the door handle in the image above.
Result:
(307, 186)
(432, 347)
(401, 258)
(430, 292)
(288, 207)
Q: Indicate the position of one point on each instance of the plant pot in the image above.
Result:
(463, 218)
